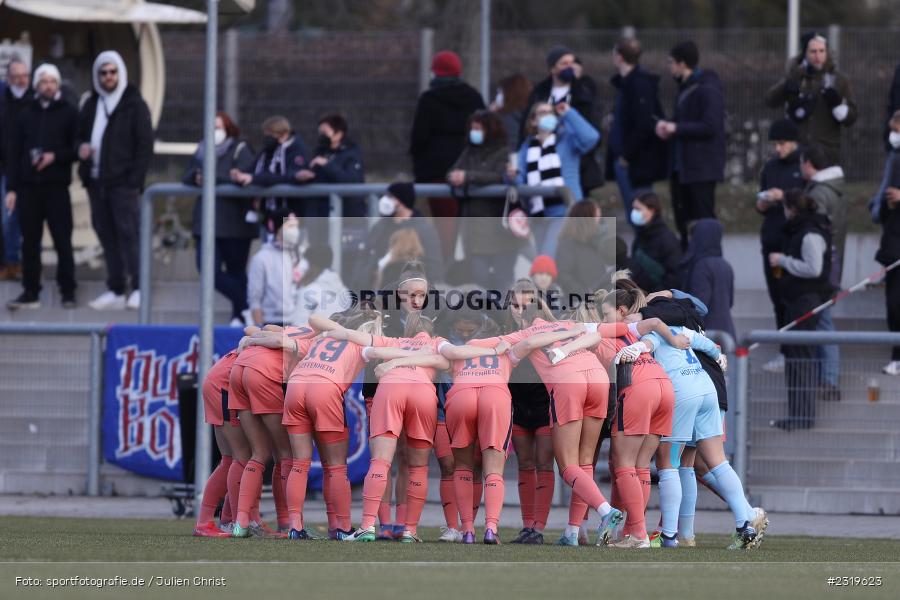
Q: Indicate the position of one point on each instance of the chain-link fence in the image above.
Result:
(373, 78)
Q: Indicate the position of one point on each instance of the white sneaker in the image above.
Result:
(134, 300)
(448, 534)
(235, 322)
(776, 365)
(892, 368)
(108, 301)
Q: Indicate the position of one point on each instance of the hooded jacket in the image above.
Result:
(633, 134)
(708, 276)
(800, 95)
(118, 127)
(783, 174)
(697, 152)
(50, 128)
(439, 128)
(827, 188)
(655, 254)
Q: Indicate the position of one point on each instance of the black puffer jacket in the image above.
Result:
(439, 129)
(127, 141)
(783, 174)
(50, 129)
(655, 254)
(10, 107)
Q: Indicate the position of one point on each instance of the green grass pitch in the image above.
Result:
(790, 567)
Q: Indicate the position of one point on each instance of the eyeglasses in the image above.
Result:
(106, 72)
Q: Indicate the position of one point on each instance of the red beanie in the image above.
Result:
(543, 264)
(446, 63)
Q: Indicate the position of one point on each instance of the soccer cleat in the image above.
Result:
(744, 538)
(450, 535)
(536, 537)
(523, 534)
(687, 542)
(655, 541)
(408, 537)
(468, 537)
(610, 527)
(264, 531)
(240, 532)
(340, 534)
(667, 542)
(361, 535)
(759, 522)
(209, 529)
(491, 537)
(570, 539)
(299, 535)
(386, 533)
(630, 542)
(398, 531)
(776, 365)
(227, 527)
(892, 368)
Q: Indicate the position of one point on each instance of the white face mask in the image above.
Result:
(386, 206)
(894, 139)
(290, 236)
(219, 136)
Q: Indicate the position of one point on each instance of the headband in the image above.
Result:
(412, 279)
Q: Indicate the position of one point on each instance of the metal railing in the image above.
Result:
(96, 331)
(761, 397)
(334, 191)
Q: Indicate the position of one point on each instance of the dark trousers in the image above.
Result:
(37, 204)
(691, 202)
(774, 294)
(892, 295)
(444, 213)
(116, 217)
(801, 367)
(230, 270)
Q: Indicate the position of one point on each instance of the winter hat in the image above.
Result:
(446, 63)
(404, 192)
(556, 53)
(543, 264)
(810, 36)
(783, 130)
(46, 69)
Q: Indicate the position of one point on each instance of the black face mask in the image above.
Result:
(270, 142)
(567, 75)
(324, 141)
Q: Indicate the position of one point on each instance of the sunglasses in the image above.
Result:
(106, 72)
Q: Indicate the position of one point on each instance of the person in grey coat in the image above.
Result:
(233, 233)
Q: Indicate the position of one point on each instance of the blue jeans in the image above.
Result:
(12, 232)
(627, 192)
(829, 355)
(547, 228)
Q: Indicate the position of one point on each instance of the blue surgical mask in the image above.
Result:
(637, 217)
(548, 123)
(476, 136)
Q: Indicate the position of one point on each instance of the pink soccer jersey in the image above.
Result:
(412, 374)
(485, 370)
(581, 360)
(271, 362)
(338, 361)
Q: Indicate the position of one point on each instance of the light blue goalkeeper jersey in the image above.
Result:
(682, 366)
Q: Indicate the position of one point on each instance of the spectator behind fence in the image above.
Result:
(490, 250)
(42, 151)
(404, 246)
(397, 211)
(550, 156)
(655, 252)
(320, 290)
(566, 84)
(115, 137)
(816, 96)
(802, 271)
(283, 155)
(13, 100)
(885, 208)
(697, 131)
(779, 174)
(510, 104)
(270, 277)
(583, 266)
(708, 276)
(893, 106)
(232, 231)
(439, 135)
(544, 273)
(636, 157)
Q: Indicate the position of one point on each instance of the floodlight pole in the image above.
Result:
(486, 51)
(793, 28)
(202, 457)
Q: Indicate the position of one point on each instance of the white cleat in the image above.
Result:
(450, 535)
(776, 365)
(108, 301)
(631, 543)
(759, 522)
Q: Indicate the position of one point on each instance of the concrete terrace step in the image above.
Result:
(49, 457)
(831, 443)
(828, 500)
(818, 471)
(113, 481)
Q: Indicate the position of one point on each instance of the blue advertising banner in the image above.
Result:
(141, 424)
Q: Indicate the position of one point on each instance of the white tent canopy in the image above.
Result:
(107, 11)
